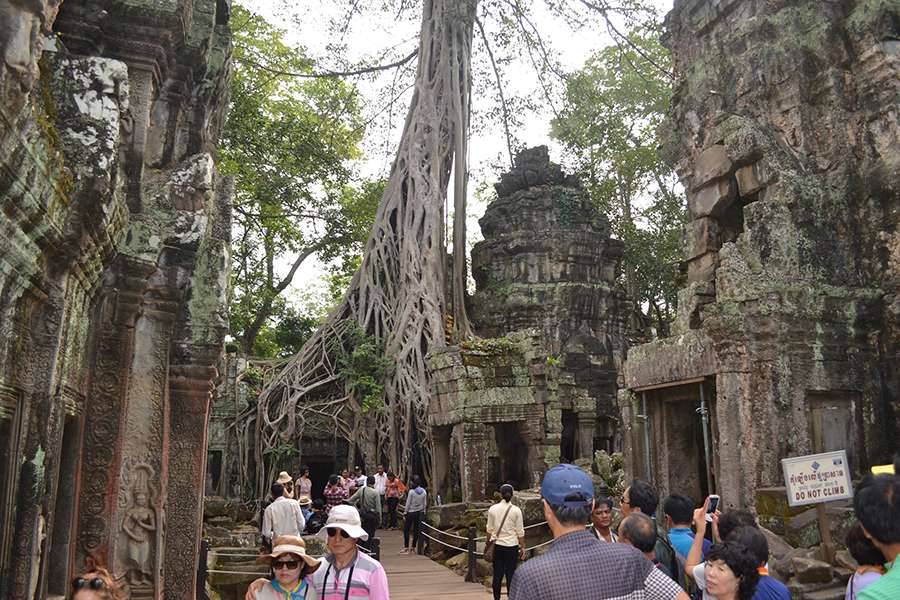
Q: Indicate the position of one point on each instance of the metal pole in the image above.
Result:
(470, 547)
(704, 416)
(646, 417)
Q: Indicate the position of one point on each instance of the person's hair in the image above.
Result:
(416, 481)
(861, 548)
(95, 569)
(304, 470)
(572, 515)
(370, 480)
(288, 485)
(506, 492)
(742, 563)
(277, 490)
(640, 530)
(319, 503)
(603, 501)
(877, 506)
(391, 475)
(732, 519)
(752, 539)
(680, 508)
(642, 495)
(334, 480)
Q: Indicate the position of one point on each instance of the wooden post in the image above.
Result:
(376, 548)
(825, 533)
(470, 548)
(420, 544)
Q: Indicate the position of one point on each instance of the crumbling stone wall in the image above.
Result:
(112, 286)
(784, 132)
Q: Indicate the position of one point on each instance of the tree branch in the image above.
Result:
(487, 47)
(328, 74)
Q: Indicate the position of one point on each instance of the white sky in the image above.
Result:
(306, 24)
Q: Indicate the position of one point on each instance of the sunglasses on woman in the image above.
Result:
(286, 564)
(94, 583)
(333, 531)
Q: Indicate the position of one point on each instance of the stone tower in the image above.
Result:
(784, 133)
(539, 384)
(548, 262)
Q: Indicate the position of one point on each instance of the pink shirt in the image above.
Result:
(369, 581)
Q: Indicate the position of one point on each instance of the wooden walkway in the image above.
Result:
(413, 577)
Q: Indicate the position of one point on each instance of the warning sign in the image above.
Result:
(817, 478)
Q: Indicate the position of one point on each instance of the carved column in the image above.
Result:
(106, 406)
(474, 460)
(190, 393)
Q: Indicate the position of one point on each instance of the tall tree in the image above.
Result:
(287, 142)
(609, 124)
(403, 289)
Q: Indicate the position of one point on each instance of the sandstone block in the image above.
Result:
(810, 570)
(713, 163)
(701, 236)
(754, 177)
(446, 515)
(703, 268)
(712, 199)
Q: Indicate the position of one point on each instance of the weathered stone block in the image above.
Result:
(752, 178)
(712, 199)
(701, 235)
(809, 570)
(445, 515)
(703, 268)
(713, 163)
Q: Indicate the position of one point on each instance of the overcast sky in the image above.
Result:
(305, 22)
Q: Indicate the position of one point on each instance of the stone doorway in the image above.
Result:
(679, 450)
(512, 454)
(319, 471)
(569, 437)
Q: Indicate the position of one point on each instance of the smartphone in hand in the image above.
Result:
(711, 506)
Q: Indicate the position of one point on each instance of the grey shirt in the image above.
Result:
(366, 498)
(415, 501)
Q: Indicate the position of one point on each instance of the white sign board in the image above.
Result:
(817, 478)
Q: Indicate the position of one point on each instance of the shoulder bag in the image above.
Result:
(489, 546)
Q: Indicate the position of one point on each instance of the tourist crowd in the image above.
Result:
(696, 552)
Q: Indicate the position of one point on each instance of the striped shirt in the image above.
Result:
(578, 566)
(369, 580)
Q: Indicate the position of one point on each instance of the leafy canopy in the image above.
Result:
(609, 125)
(287, 142)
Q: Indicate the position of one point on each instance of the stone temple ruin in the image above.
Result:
(541, 383)
(112, 287)
(785, 134)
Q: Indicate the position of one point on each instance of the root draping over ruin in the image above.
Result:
(402, 292)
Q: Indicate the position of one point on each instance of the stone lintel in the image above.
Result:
(670, 360)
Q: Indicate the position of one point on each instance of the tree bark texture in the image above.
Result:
(403, 291)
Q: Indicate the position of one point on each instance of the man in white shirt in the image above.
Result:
(283, 516)
(381, 487)
(506, 529)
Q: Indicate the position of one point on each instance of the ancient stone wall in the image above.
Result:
(112, 287)
(784, 132)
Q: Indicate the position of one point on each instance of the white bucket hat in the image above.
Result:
(347, 518)
(283, 478)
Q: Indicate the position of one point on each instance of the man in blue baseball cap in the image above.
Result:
(577, 564)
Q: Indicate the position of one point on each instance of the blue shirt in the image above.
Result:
(770, 588)
(682, 538)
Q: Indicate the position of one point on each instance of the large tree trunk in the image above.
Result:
(400, 294)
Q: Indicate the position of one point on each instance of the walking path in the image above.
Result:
(414, 577)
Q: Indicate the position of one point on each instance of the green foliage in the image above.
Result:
(609, 125)
(611, 469)
(553, 361)
(363, 369)
(287, 142)
(492, 346)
